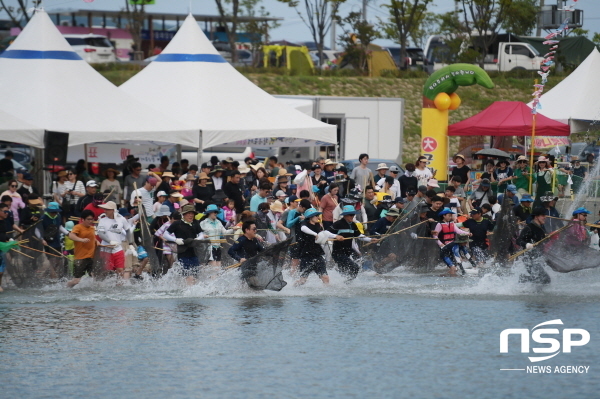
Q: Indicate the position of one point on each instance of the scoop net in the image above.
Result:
(569, 250)
(263, 271)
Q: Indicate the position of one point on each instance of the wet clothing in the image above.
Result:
(306, 241)
(447, 231)
(381, 226)
(522, 213)
(531, 234)
(184, 230)
(479, 229)
(245, 248)
(52, 227)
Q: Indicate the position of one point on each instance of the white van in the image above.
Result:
(94, 49)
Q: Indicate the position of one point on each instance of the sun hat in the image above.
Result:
(348, 210)
(504, 161)
(282, 179)
(243, 169)
(458, 156)
(542, 159)
(188, 208)
(382, 165)
(61, 173)
(35, 201)
(91, 183)
(108, 205)
(283, 172)
(168, 174)
(190, 177)
(277, 206)
(446, 211)
(162, 194)
(69, 225)
(203, 176)
(526, 198)
(522, 158)
(228, 160)
(219, 195)
(433, 183)
(512, 188)
(280, 193)
(581, 210)
(211, 208)
(164, 210)
(176, 194)
(217, 169)
(311, 212)
(393, 213)
(462, 239)
(53, 207)
(329, 162)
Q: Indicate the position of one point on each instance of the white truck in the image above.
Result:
(503, 56)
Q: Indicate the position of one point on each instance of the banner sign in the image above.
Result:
(547, 142)
(118, 152)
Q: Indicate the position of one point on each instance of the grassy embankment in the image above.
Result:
(509, 87)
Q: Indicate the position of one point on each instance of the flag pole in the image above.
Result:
(532, 148)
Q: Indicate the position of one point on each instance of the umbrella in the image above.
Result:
(493, 152)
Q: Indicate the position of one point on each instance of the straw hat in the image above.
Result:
(258, 166)
(283, 172)
(542, 159)
(203, 176)
(168, 174)
(116, 172)
(36, 201)
(277, 206)
(190, 177)
(188, 208)
(62, 173)
(458, 156)
(243, 169)
(329, 162)
(108, 205)
(522, 158)
(382, 165)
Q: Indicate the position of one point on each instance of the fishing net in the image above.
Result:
(568, 250)
(502, 242)
(22, 267)
(146, 238)
(263, 272)
(409, 244)
(202, 249)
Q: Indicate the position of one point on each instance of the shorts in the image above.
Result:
(216, 254)
(191, 266)
(113, 261)
(295, 251)
(82, 266)
(312, 264)
(2, 262)
(346, 265)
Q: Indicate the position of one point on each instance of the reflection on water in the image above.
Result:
(401, 335)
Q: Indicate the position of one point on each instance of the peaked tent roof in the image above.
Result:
(13, 129)
(507, 118)
(48, 85)
(576, 98)
(196, 85)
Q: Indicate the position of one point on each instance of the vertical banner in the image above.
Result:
(434, 140)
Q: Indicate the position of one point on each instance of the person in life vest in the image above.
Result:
(531, 234)
(343, 250)
(450, 251)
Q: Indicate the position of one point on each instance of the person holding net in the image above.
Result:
(450, 251)
(532, 233)
(343, 250)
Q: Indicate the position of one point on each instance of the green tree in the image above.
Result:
(19, 12)
(428, 27)
(455, 37)
(230, 10)
(355, 39)
(521, 17)
(483, 20)
(318, 16)
(405, 19)
(596, 39)
(579, 31)
(257, 30)
(136, 14)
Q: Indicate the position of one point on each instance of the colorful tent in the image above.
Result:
(194, 84)
(507, 118)
(46, 84)
(575, 99)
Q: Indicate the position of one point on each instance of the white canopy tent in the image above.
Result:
(13, 129)
(576, 99)
(45, 83)
(197, 86)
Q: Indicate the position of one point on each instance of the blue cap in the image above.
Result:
(291, 198)
(124, 212)
(446, 211)
(311, 212)
(512, 188)
(581, 210)
(211, 208)
(27, 176)
(526, 198)
(293, 186)
(53, 207)
(348, 210)
(69, 225)
(400, 200)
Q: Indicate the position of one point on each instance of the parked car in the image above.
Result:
(94, 49)
(415, 58)
(329, 56)
(373, 162)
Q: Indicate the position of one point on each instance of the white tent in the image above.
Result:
(196, 85)
(14, 129)
(47, 84)
(576, 99)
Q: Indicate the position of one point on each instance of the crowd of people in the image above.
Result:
(323, 211)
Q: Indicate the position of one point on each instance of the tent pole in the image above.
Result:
(199, 156)
(532, 148)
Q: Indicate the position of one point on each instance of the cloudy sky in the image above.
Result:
(292, 29)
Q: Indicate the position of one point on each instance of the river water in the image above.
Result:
(401, 335)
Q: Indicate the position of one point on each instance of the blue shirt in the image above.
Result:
(255, 201)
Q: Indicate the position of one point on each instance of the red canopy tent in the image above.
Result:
(508, 118)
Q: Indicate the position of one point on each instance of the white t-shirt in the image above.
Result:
(77, 187)
(113, 230)
(146, 200)
(423, 176)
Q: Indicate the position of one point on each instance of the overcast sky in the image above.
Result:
(292, 29)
